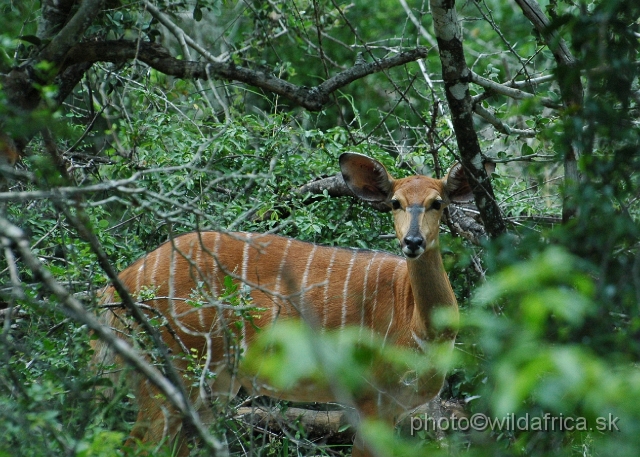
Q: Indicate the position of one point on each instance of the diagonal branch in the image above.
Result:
(557, 45)
(511, 92)
(72, 32)
(74, 308)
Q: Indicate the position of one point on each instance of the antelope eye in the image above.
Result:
(437, 204)
(395, 204)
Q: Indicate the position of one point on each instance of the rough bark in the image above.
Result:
(571, 91)
(72, 32)
(456, 76)
(54, 15)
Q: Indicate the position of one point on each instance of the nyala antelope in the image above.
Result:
(388, 295)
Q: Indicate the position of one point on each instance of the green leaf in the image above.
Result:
(31, 39)
(526, 149)
(197, 13)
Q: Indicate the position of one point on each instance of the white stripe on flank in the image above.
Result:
(245, 266)
(200, 274)
(375, 299)
(214, 268)
(393, 305)
(245, 257)
(364, 293)
(305, 277)
(345, 291)
(172, 278)
(422, 344)
(276, 308)
(197, 263)
(155, 269)
(139, 275)
(327, 284)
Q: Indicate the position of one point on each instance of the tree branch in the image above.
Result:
(499, 125)
(160, 59)
(557, 45)
(72, 32)
(335, 187)
(511, 92)
(54, 15)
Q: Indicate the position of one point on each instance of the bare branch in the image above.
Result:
(426, 35)
(504, 89)
(498, 124)
(160, 59)
(335, 187)
(570, 87)
(63, 193)
(559, 48)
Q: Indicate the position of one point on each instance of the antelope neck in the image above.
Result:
(431, 289)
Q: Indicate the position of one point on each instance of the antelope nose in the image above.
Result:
(413, 245)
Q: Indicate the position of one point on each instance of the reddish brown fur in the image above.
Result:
(8, 150)
(387, 294)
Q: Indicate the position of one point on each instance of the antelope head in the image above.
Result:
(417, 202)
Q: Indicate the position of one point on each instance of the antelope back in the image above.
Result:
(186, 282)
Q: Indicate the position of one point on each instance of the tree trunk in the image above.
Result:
(456, 76)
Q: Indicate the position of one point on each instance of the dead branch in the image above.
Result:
(333, 426)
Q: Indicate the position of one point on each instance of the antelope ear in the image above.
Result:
(457, 185)
(366, 177)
